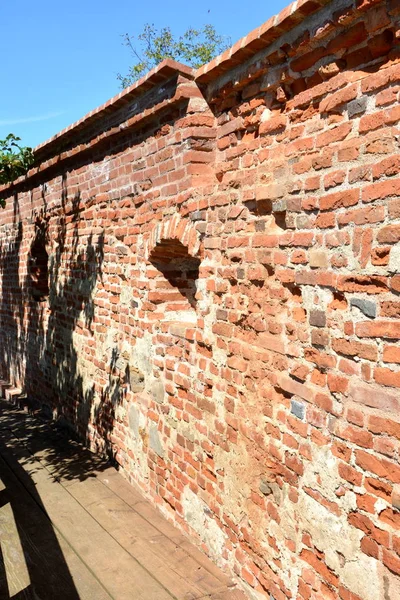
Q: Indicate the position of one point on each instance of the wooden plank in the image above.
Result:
(154, 551)
(122, 576)
(37, 561)
(130, 547)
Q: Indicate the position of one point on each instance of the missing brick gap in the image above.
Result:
(38, 263)
(176, 285)
(283, 392)
(280, 220)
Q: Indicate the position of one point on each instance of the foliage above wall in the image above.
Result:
(15, 160)
(194, 48)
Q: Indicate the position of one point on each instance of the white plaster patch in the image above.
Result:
(195, 511)
(143, 353)
(361, 576)
(181, 316)
(126, 295)
(310, 294)
(380, 505)
(265, 115)
(102, 170)
(394, 260)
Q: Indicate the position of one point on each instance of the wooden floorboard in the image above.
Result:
(72, 527)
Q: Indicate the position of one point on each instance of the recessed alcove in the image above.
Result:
(175, 287)
(38, 267)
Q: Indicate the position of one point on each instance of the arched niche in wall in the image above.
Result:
(38, 263)
(173, 250)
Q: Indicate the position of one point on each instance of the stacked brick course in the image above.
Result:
(223, 313)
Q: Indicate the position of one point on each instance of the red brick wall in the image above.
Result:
(223, 314)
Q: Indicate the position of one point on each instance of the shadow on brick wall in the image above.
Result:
(42, 335)
(42, 328)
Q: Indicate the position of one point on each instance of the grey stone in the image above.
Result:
(134, 421)
(290, 220)
(154, 441)
(271, 80)
(136, 379)
(158, 391)
(265, 488)
(302, 221)
(188, 433)
(297, 409)
(279, 206)
(198, 215)
(260, 226)
(366, 306)
(277, 492)
(173, 423)
(357, 106)
(317, 318)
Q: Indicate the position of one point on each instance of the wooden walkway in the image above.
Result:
(72, 528)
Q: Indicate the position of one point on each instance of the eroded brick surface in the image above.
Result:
(222, 312)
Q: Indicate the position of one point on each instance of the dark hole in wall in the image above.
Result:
(38, 267)
(179, 268)
(260, 208)
(280, 219)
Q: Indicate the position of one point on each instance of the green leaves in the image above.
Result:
(194, 48)
(15, 160)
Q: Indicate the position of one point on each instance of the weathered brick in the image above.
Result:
(273, 125)
(381, 190)
(361, 216)
(396, 497)
(355, 348)
(317, 318)
(387, 167)
(379, 466)
(350, 37)
(369, 284)
(224, 270)
(339, 199)
(336, 134)
(391, 354)
(333, 101)
(384, 329)
(387, 377)
(370, 395)
(380, 256)
(389, 234)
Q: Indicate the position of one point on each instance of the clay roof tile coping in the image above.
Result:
(247, 46)
(266, 33)
(159, 73)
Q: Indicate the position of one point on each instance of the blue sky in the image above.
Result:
(60, 59)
